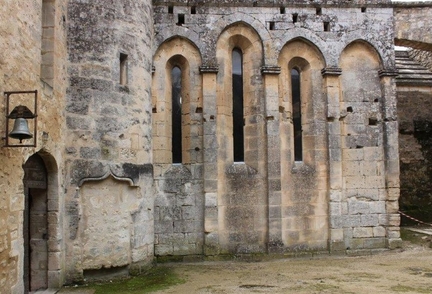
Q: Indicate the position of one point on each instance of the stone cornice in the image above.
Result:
(270, 69)
(388, 72)
(331, 71)
(208, 69)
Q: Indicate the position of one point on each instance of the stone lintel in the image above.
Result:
(270, 70)
(208, 69)
(331, 71)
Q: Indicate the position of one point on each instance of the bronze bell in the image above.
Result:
(20, 130)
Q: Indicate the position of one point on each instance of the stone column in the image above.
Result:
(332, 91)
(391, 157)
(271, 88)
(211, 227)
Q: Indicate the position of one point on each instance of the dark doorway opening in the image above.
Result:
(35, 229)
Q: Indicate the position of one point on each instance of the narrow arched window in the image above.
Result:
(296, 113)
(176, 114)
(47, 48)
(237, 109)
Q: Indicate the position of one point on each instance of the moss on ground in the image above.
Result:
(409, 289)
(414, 237)
(158, 278)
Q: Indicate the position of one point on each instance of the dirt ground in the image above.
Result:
(408, 270)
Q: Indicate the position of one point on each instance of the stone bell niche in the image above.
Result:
(112, 227)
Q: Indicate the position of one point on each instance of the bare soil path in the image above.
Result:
(408, 270)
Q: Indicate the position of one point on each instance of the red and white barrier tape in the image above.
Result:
(414, 219)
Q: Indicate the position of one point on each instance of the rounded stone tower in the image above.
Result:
(109, 206)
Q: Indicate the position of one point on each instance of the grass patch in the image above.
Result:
(158, 278)
(405, 289)
(324, 287)
(363, 275)
(413, 237)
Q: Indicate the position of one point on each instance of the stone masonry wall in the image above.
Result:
(364, 201)
(21, 56)
(108, 115)
(423, 57)
(412, 20)
(178, 187)
(415, 151)
(269, 203)
(114, 199)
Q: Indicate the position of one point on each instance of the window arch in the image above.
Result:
(300, 85)
(47, 41)
(239, 55)
(176, 114)
(303, 144)
(297, 113)
(177, 104)
(237, 109)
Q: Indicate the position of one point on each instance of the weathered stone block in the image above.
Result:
(369, 220)
(187, 199)
(186, 226)
(356, 244)
(358, 207)
(274, 211)
(337, 246)
(163, 250)
(379, 231)
(164, 227)
(210, 199)
(393, 194)
(185, 249)
(360, 232)
(336, 235)
(374, 243)
(189, 213)
(335, 195)
(335, 208)
(392, 206)
(378, 207)
(395, 243)
(393, 233)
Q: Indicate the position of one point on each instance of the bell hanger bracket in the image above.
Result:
(25, 99)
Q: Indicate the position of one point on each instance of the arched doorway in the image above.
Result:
(35, 227)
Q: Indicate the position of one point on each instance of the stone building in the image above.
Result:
(192, 130)
(414, 96)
